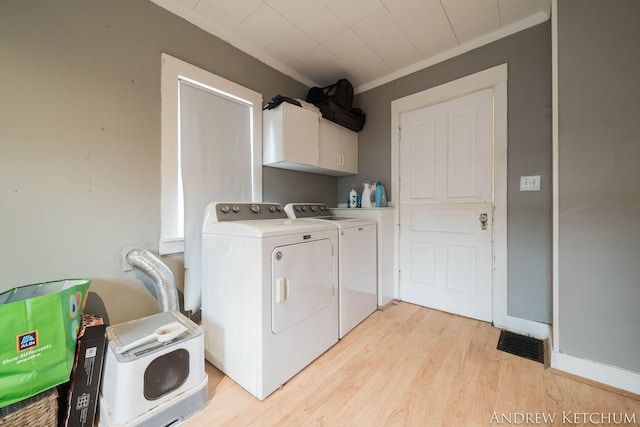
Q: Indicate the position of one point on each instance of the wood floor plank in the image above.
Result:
(412, 366)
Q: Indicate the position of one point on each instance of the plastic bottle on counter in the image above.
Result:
(353, 198)
(367, 192)
(381, 195)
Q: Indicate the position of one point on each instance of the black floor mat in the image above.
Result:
(520, 345)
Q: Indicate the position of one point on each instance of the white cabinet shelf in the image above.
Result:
(299, 139)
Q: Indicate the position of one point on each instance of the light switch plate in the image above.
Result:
(530, 183)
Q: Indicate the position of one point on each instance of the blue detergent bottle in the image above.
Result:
(381, 195)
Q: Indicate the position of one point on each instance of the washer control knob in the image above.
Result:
(224, 209)
(236, 209)
(314, 208)
(304, 208)
(279, 208)
(272, 208)
(298, 209)
(255, 208)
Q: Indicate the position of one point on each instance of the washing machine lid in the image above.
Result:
(345, 223)
(265, 228)
(321, 212)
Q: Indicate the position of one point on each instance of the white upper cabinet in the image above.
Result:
(290, 137)
(300, 139)
(338, 148)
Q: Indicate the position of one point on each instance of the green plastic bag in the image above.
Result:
(39, 325)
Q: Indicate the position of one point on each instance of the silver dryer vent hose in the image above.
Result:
(159, 273)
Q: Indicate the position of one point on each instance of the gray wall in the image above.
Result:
(528, 55)
(599, 150)
(80, 139)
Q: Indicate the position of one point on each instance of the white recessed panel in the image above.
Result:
(423, 263)
(422, 159)
(444, 221)
(461, 268)
(461, 155)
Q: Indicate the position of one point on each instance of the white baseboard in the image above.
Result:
(537, 330)
(605, 374)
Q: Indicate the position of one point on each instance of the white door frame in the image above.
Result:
(495, 78)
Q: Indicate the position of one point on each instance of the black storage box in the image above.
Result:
(84, 387)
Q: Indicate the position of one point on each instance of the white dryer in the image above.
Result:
(269, 293)
(357, 261)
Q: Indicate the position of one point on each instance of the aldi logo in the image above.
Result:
(27, 341)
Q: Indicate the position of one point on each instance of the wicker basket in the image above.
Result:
(40, 410)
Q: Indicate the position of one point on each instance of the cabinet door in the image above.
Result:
(338, 148)
(290, 136)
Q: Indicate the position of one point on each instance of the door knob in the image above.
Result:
(483, 221)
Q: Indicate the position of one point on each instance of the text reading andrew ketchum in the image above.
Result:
(565, 417)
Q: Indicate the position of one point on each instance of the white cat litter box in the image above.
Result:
(153, 372)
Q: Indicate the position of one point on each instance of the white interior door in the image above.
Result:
(446, 205)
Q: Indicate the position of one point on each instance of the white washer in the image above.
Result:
(269, 293)
(357, 261)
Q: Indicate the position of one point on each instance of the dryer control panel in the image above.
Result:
(248, 211)
(307, 210)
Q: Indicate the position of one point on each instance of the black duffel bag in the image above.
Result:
(335, 103)
(341, 93)
(353, 119)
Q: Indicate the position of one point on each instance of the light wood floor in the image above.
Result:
(412, 366)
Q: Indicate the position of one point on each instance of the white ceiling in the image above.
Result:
(370, 42)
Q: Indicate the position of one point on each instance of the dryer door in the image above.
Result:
(301, 282)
